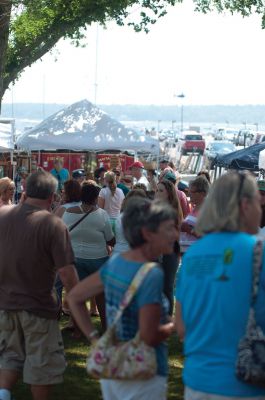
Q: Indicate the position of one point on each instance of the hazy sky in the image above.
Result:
(212, 59)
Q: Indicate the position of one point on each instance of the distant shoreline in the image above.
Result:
(252, 116)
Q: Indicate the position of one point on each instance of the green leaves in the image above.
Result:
(37, 25)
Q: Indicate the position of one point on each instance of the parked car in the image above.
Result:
(245, 137)
(260, 137)
(191, 143)
(216, 148)
(226, 134)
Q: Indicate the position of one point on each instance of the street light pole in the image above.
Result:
(181, 118)
(158, 125)
(181, 96)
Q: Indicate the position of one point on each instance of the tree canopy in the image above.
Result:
(31, 28)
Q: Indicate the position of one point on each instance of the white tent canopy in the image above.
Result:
(6, 136)
(83, 126)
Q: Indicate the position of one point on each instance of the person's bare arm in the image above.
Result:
(101, 202)
(59, 211)
(111, 242)
(77, 298)
(185, 227)
(68, 276)
(151, 331)
(178, 321)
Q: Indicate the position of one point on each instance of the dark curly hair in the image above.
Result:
(72, 191)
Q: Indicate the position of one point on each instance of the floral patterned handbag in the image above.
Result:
(250, 365)
(133, 359)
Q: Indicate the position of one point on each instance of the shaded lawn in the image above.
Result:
(78, 385)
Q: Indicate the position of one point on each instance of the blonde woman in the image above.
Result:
(214, 290)
(111, 198)
(7, 190)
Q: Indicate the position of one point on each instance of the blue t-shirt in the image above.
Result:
(214, 289)
(116, 274)
(61, 176)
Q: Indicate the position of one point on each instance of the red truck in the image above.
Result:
(192, 143)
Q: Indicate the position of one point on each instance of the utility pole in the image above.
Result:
(181, 96)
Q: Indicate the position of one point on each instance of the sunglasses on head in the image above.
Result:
(242, 177)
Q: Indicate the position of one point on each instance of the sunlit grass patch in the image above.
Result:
(78, 385)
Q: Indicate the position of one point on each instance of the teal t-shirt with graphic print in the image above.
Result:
(214, 289)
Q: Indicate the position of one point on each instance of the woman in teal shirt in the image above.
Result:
(214, 290)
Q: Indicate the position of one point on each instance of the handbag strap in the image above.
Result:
(257, 265)
(80, 220)
(256, 269)
(132, 289)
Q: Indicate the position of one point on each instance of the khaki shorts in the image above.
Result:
(33, 345)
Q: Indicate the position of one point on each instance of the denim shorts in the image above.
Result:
(86, 267)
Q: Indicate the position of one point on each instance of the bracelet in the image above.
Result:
(93, 334)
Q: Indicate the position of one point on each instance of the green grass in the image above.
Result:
(78, 385)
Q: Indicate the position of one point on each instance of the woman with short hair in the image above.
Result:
(214, 290)
(70, 197)
(7, 190)
(150, 229)
(90, 237)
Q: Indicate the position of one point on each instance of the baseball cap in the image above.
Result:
(78, 173)
(261, 185)
(136, 164)
(170, 176)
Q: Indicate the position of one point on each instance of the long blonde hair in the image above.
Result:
(110, 179)
(220, 211)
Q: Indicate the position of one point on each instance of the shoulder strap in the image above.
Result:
(132, 289)
(78, 222)
(257, 264)
(256, 269)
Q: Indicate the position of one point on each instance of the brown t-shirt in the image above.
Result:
(34, 244)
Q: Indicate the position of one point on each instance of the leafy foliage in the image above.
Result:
(37, 25)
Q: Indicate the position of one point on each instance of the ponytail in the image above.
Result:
(110, 178)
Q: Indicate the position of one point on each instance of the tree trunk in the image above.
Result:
(5, 14)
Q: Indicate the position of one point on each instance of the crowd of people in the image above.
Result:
(67, 241)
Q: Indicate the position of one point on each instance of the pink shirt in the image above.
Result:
(183, 202)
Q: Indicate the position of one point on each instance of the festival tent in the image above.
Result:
(247, 158)
(6, 137)
(83, 126)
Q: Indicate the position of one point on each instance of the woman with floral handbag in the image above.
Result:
(135, 306)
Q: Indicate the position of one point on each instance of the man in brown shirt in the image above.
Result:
(34, 247)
